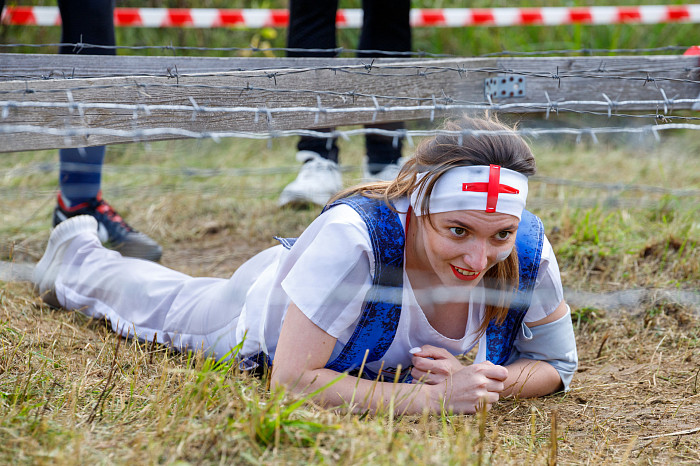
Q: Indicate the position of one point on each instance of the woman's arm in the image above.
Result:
(304, 349)
(529, 378)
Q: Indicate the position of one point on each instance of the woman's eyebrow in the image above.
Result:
(512, 226)
(460, 224)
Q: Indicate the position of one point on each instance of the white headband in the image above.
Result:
(477, 187)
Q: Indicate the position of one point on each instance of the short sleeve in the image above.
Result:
(553, 342)
(328, 270)
(548, 292)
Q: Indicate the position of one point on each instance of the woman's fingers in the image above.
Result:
(474, 386)
(495, 386)
(428, 377)
(433, 374)
(436, 366)
(435, 360)
(430, 351)
(473, 404)
(492, 371)
(466, 388)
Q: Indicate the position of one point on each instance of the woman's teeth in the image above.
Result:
(467, 273)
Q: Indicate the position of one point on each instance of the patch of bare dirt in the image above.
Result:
(635, 397)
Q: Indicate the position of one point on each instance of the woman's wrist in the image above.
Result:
(434, 396)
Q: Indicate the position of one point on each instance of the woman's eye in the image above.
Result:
(458, 231)
(503, 235)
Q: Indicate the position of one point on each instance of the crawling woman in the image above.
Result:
(391, 282)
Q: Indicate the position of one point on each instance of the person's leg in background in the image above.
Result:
(312, 26)
(80, 174)
(385, 27)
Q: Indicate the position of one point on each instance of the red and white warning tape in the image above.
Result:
(352, 18)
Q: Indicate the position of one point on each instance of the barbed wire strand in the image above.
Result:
(558, 106)
(642, 75)
(614, 303)
(204, 173)
(143, 133)
(370, 69)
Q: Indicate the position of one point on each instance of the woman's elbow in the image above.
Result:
(530, 378)
(554, 383)
(282, 378)
(291, 379)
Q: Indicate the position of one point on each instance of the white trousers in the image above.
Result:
(145, 300)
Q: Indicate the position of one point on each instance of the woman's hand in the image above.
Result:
(433, 365)
(467, 389)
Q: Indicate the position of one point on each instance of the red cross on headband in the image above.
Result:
(478, 187)
(492, 188)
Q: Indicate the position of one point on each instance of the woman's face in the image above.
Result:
(460, 246)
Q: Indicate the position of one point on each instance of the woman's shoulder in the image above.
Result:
(548, 292)
(349, 214)
(341, 232)
(339, 217)
(548, 258)
(336, 230)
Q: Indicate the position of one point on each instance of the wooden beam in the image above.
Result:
(293, 83)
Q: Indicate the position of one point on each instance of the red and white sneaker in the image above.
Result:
(112, 230)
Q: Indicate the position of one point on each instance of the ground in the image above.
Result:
(72, 392)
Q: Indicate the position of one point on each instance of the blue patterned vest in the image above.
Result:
(382, 305)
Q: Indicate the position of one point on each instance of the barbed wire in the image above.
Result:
(432, 105)
(608, 194)
(414, 70)
(195, 109)
(429, 106)
(205, 173)
(371, 105)
(439, 103)
(614, 303)
(370, 67)
(535, 204)
(366, 69)
(77, 47)
(408, 135)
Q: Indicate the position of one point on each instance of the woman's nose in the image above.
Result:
(476, 256)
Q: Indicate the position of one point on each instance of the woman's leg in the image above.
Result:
(144, 299)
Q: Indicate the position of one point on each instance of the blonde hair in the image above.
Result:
(473, 142)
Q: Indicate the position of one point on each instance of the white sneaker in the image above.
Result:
(388, 173)
(318, 180)
(46, 271)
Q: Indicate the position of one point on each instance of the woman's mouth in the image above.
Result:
(464, 274)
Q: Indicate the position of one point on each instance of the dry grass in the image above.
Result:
(71, 392)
